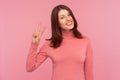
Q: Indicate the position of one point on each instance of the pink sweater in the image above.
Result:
(73, 60)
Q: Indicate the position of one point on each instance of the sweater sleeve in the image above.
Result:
(35, 58)
(89, 62)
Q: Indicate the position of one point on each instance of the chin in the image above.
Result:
(70, 27)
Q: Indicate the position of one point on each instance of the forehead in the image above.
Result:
(63, 12)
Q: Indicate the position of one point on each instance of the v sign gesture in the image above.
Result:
(38, 33)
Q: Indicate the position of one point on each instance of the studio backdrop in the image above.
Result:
(97, 19)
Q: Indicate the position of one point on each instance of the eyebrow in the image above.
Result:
(62, 15)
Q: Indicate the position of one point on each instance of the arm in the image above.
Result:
(35, 58)
(89, 62)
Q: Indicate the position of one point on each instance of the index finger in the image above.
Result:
(38, 27)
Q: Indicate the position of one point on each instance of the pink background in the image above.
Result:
(98, 19)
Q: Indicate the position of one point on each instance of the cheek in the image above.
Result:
(62, 23)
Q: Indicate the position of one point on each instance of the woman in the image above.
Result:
(70, 52)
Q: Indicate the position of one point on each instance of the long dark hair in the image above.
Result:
(57, 38)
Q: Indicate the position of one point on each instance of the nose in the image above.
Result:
(68, 18)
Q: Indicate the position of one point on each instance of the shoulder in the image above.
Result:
(86, 39)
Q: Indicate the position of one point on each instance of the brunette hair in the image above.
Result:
(57, 38)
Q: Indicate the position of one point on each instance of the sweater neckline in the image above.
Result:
(67, 34)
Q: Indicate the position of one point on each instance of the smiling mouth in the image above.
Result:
(69, 23)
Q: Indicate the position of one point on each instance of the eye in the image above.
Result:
(62, 17)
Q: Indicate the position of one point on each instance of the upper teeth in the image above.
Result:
(69, 23)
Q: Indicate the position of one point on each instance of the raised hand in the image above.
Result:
(38, 33)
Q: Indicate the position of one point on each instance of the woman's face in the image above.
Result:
(65, 20)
